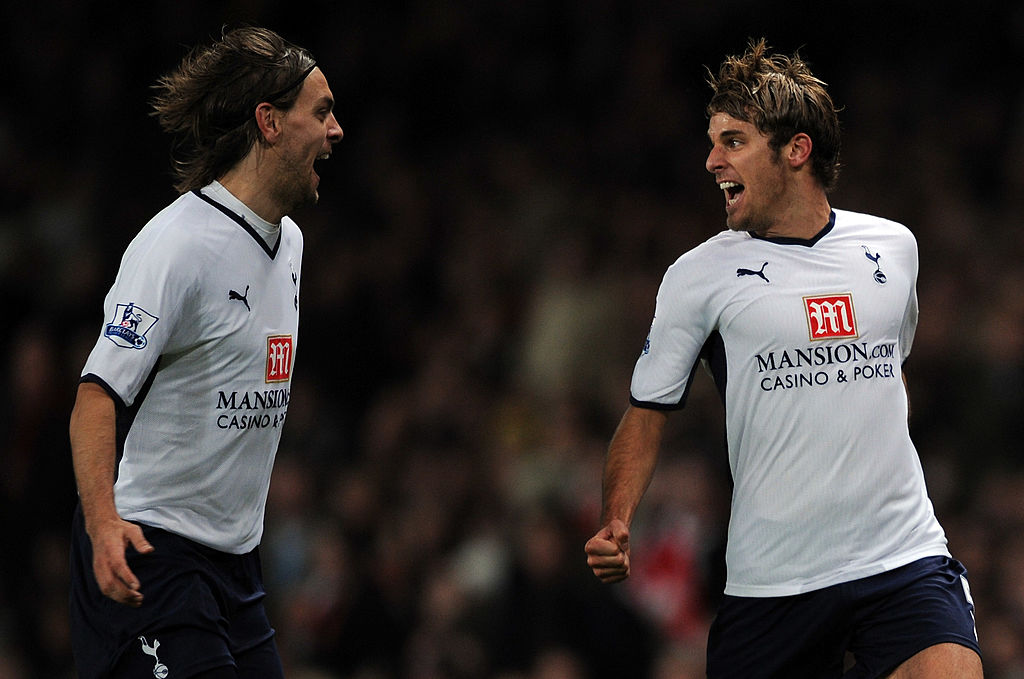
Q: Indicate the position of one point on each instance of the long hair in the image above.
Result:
(780, 96)
(208, 103)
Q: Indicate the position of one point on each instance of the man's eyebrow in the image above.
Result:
(725, 135)
(325, 102)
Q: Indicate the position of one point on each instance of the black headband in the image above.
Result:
(270, 99)
(290, 86)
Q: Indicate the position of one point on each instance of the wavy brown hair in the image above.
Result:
(780, 96)
(208, 103)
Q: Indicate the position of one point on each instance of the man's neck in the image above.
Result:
(248, 182)
(801, 219)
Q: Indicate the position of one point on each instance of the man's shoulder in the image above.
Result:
(291, 230)
(724, 244)
(706, 266)
(848, 219)
(176, 218)
(180, 232)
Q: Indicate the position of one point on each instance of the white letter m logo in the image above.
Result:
(830, 316)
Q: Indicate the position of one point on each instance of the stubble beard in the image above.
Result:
(763, 217)
(751, 224)
(295, 189)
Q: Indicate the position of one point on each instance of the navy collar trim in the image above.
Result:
(806, 242)
(271, 252)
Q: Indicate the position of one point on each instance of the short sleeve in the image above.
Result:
(679, 331)
(143, 308)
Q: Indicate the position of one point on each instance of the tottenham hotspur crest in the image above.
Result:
(129, 326)
(879, 276)
(160, 670)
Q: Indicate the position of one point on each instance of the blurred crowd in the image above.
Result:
(478, 281)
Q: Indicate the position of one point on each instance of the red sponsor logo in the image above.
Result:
(830, 316)
(280, 355)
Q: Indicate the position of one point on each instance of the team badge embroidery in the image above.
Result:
(160, 670)
(830, 316)
(129, 326)
(280, 354)
(878, 275)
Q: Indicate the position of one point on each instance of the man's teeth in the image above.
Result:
(730, 196)
(323, 156)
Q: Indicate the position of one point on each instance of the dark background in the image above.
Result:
(479, 278)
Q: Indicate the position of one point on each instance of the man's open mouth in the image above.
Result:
(732, 191)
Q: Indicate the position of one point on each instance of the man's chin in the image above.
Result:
(303, 200)
(312, 196)
(749, 225)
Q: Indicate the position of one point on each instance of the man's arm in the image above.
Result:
(93, 452)
(628, 470)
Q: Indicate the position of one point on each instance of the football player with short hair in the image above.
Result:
(804, 315)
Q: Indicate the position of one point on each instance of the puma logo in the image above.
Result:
(244, 299)
(750, 272)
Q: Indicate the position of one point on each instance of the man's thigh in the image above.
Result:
(798, 637)
(944, 661)
(182, 652)
(883, 621)
(261, 662)
(203, 610)
(193, 652)
(902, 613)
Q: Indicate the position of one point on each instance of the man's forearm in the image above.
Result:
(93, 449)
(632, 456)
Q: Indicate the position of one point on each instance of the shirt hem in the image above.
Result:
(767, 591)
(171, 525)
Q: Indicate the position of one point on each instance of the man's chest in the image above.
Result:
(795, 297)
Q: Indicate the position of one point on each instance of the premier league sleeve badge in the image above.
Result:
(129, 326)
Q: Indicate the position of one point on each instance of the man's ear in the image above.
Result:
(798, 151)
(268, 119)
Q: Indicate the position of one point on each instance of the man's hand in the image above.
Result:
(92, 433)
(110, 539)
(608, 552)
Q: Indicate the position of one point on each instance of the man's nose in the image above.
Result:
(334, 131)
(714, 160)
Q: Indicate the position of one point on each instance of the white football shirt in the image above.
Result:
(199, 341)
(805, 340)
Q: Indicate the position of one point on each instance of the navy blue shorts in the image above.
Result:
(880, 621)
(203, 609)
